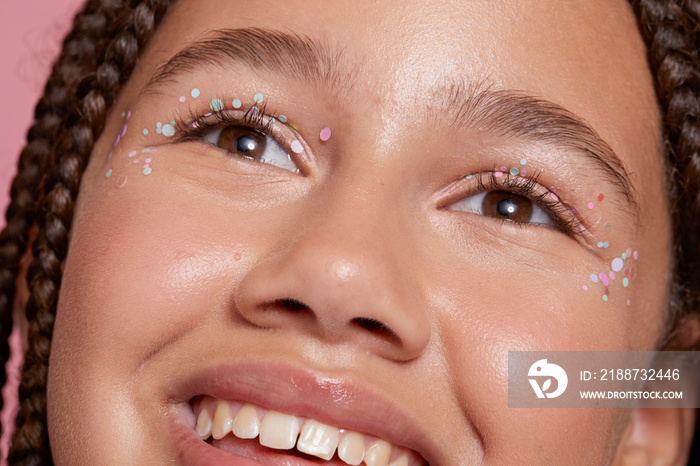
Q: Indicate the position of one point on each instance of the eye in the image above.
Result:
(250, 143)
(505, 205)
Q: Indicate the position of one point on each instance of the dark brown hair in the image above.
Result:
(98, 57)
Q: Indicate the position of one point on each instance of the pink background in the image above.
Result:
(31, 32)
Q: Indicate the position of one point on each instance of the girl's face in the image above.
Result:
(349, 213)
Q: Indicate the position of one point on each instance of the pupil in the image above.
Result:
(245, 144)
(507, 207)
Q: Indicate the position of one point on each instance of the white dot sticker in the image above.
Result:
(168, 130)
(297, 147)
(617, 264)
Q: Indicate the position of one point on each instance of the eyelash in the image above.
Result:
(196, 127)
(564, 218)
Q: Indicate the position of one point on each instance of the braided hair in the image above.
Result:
(97, 58)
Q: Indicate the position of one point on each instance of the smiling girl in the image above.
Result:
(296, 232)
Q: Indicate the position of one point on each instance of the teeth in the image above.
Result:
(279, 431)
(246, 424)
(400, 461)
(378, 454)
(318, 439)
(222, 421)
(352, 448)
(282, 432)
(204, 424)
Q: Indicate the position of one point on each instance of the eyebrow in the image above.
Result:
(479, 105)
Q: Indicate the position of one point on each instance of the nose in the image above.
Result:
(342, 280)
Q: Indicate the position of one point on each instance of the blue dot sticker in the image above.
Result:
(258, 98)
(145, 131)
(514, 171)
(109, 173)
(237, 103)
(194, 93)
(282, 118)
(594, 278)
(523, 162)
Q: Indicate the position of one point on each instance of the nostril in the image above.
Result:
(290, 304)
(375, 326)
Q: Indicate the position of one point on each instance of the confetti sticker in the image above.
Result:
(625, 282)
(325, 134)
(523, 172)
(523, 162)
(636, 255)
(585, 287)
(216, 105)
(109, 173)
(469, 177)
(554, 196)
(168, 130)
(594, 278)
(258, 98)
(194, 93)
(297, 147)
(145, 131)
(498, 174)
(514, 171)
(617, 264)
(600, 244)
(282, 118)
(604, 279)
(132, 153)
(591, 205)
(605, 298)
(147, 171)
(182, 98)
(236, 103)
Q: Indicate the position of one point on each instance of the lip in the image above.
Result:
(333, 400)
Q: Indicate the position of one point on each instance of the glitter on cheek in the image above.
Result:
(325, 134)
(297, 147)
(194, 93)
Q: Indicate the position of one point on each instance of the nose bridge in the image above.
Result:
(347, 267)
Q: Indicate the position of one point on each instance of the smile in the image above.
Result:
(224, 423)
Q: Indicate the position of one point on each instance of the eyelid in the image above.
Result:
(195, 128)
(562, 214)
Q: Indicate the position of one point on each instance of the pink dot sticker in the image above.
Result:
(498, 174)
(147, 160)
(152, 151)
(297, 147)
(182, 98)
(591, 205)
(325, 134)
(132, 153)
(585, 288)
(604, 279)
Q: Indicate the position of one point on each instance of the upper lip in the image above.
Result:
(333, 400)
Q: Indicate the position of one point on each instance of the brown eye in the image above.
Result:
(243, 141)
(507, 206)
(246, 141)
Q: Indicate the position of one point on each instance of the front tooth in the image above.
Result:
(352, 448)
(204, 424)
(279, 430)
(222, 420)
(378, 454)
(246, 424)
(318, 439)
(400, 461)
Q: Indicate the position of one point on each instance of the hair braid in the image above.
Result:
(95, 85)
(672, 32)
(20, 216)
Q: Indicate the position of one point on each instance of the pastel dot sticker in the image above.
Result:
(182, 98)
(325, 134)
(145, 131)
(591, 205)
(236, 103)
(585, 287)
(636, 255)
(605, 298)
(132, 153)
(297, 147)
(147, 160)
(601, 197)
(523, 172)
(282, 118)
(123, 113)
(109, 173)
(147, 171)
(194, 93)
(625, 282)
(523, 162)
(606, 245)
(216, 105)
(514, 171)
(594, 278)
(469, 177)
(611, 274)
(504, 168)
(554, 196)
(600, 244)
(258, 98)
(168, 130)
(604, 279)
(123, 131)
(498, 174)
(617, 264)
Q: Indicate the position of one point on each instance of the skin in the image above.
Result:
(147, 299)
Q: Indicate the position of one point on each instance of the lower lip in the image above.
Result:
(193, 451)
